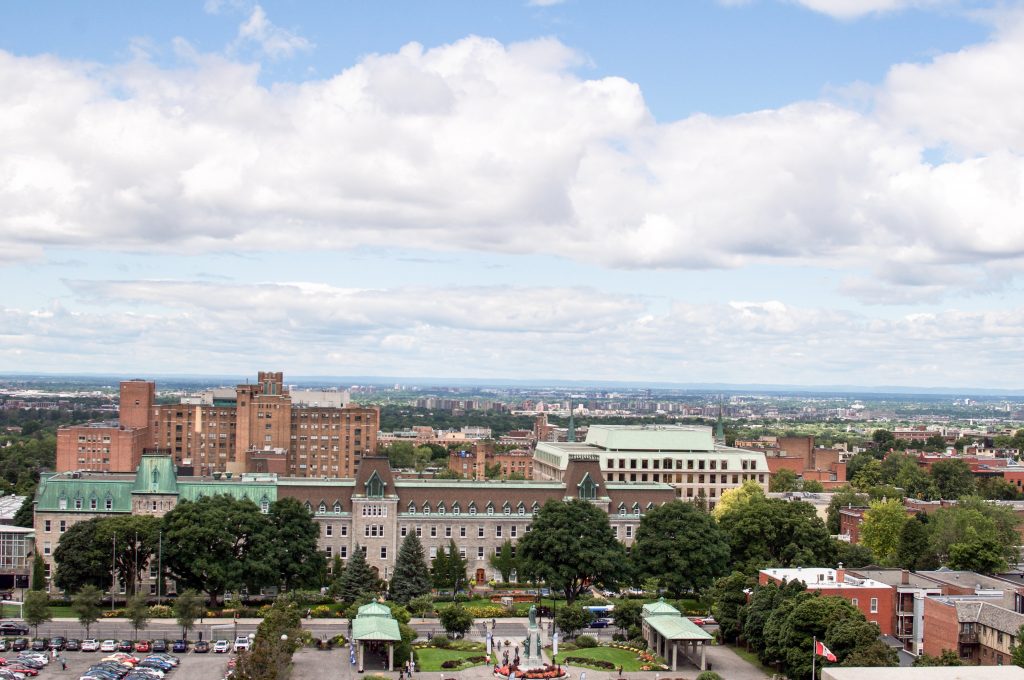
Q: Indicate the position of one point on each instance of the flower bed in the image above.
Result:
(546, 673)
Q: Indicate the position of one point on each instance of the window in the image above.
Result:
(412, 508)
(328, 530)
(343, 552)
(456, 509)
(462, 553)
(629, 531)
(447, 532)
(874, 605)
(521, 508)
(855, 602)
(383, 552)
(63, 526)
(472, 508)
(344, 530)
(46, 548)
(462, 532)
(419, 532)
(497, 531)
(433, 551)
(329, 551)
(404, 530)
(514, 528)
(337, 506)
(46, 525)
(264, 505)
(507, 508)
(490, 508)
(587, 489)
(479, 552)
(433, 531)
(479, 532)
(62, 503)
(93, 503)
(322, 507)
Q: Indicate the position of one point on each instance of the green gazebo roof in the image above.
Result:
(375, 622)
(660, 608)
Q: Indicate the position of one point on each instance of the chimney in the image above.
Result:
(840, 574)
(905, 577)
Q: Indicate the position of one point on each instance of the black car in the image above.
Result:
(13, 628)
(20, 645)
(126, 646)
(58, 643)
(200, 647)
(180, 646)
(39, 645)
(159, 646)
(73, 645)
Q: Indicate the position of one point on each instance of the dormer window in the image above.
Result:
(108, 502)
(636, 508)
(440, 508)
(309, 506)
(456, 509)
(322, 508)
(78, 503)
(472, 508)
(587, 490)
(521, 508)
(622, 509)
(490, 508)
(62, 502)
(337, 507)
(535, 508)
(507, 508)
(412, 508)
(264, 505)
(94, 503)
(426, 508)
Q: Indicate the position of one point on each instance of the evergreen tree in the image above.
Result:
(412, 576)
(38, 573)
(357, 578)
(456, 567)
(504, 561)
(439, 569)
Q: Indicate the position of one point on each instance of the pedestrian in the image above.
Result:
(583, 675)
(620, 670)
(63, 663)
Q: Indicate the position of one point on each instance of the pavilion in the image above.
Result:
(669, 633)
(374, 623)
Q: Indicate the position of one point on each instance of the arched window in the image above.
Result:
(374, 486)
(490, 508)
(440, 508)
(587, 488)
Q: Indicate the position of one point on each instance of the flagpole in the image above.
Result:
(814, 659)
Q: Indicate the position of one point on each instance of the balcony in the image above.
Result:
(968, 638)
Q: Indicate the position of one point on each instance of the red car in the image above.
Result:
(142, 646)
(24, 670)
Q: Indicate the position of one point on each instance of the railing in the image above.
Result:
(969, 638)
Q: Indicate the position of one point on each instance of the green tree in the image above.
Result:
(843, 498)
(627, 614)
(411, 578)
(903, 471)
(82, 558)
(981, 553)
(26, 513)
(914, 551)
(953, 479)
(187, 608)
(358, 578)
(456, 619)
(277, 638)
(772, 531)
(571, 546)
(883, 438)
(869, 475)
(439, 572)
(504, 561)
(38, 573)
(853, 554)
(137, 612)
(219, 543)
(950, 658)
(36, 609)
(975, 522)
(784, 480)
(729, 597)
(882, 528)
(86, 605)
(572, 619)
(812, 486)
(294, 533)
(735, 498)
(421, 606)
(681, 547)
(401, 455)
(1018, 647)
(709, 675)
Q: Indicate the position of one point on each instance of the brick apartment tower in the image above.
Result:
(137, 399)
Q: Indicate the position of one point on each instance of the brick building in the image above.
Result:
(873, 598)
(982, 633)
(238, 430)
(473, 462)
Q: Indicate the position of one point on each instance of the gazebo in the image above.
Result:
(374, 623)
(665, 630)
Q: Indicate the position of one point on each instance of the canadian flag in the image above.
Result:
(821, 650)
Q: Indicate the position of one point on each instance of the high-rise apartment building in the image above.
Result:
(256, 427)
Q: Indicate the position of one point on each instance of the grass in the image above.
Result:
(431, 658)
(10, 611)
(629, 660)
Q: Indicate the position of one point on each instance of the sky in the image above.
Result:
(798, 192)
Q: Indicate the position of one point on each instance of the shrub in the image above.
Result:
(634, 632)
(263, 611)
(160, 611)
(709, 675)
(441, 641)
(638, 643)
(618, 637)
(476, 659)
(320, 611)
(583, 661)
(584, 641)
(451, 663)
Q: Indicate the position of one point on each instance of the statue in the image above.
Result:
(533, 617)
(526, 647)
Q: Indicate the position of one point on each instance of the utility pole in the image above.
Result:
(160, 567)
(113, 571)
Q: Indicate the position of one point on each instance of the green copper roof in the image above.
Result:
(79, 494)
(660, 608)
(677, 628)
(374, 622)
(255, 492)
(156, 474)
(374, 609)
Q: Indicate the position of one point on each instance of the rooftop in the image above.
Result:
(815, 578)
(924, 673)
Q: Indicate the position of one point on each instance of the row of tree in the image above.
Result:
(215, 545)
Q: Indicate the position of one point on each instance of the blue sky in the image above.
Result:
(804, 192)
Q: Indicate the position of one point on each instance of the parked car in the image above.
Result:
(108, 646)
(180, 646)
(90, 645)
(73, 645)
(58, 643)
(20, 644)
(39, 645)
(126, 646)
(159, 646)
(3, 645)
(699, 620)
(241, 642)
(601, 623)
(143, 646)
(221, 647)
(13, 628)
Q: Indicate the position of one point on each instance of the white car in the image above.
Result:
(241, 642)
(108, 646)
(222, 646)
(90, 645)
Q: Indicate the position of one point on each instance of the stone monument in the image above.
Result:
(532, 652)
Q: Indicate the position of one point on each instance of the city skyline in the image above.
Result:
(815, 192)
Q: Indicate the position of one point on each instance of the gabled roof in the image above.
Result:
(156, 474)
(659, 608)
(375, 622)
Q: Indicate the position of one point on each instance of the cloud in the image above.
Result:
(544, 3)
(274, 41)
(854, 9)
(523, 332)
(480, 146)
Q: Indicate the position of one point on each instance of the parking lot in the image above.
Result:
(193, 666)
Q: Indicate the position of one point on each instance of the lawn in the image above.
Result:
(11, 611)
(629, 660)
(751, 658)
(430, 658)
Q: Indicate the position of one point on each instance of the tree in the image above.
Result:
(38, 573)
(950, 658)
(572, 619)
(86, 604)
(449, 568)
(953, 479)
(784, 480)
(902, 470)
(773, 531)
(737, 497)
(36, 609)
(456, 619)
(26, 513)
(439, 569)
(681, 547)
(853, 554)
(219, 543)
(914, 551)
(82, 559)
(504, 561)
(1017, 649)
(277, 638)
(980, 553)
(977, 523)
(882, 528)
(357, 578)
(708, 675)
(187, 608)
(137, 612)
(883, 438)
(869, 475)
(728, 596)
(812, 486)
(571, 546)
(401, 455)
(294, 534)
(627, 614)
(843, 498)
(411, 578)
